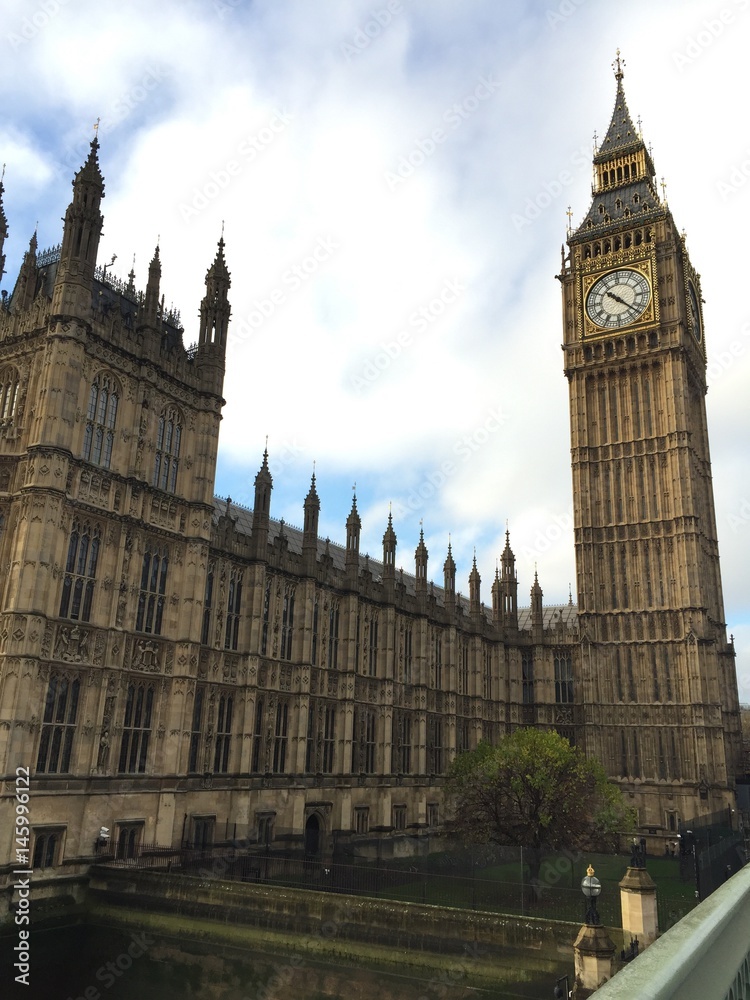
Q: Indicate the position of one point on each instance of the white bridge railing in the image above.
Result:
(706, 956)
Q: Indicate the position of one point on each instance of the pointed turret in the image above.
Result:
(3, 226)
(262, 508)
(151, 309)
(353, 529)
(215, 308)
(310, 530)
(508, 586)
(497, 601)
(537, 612)
(80, 242)
(449, 579)
(475, 580)
(420, 557)
(389, 559)
(389, 546)
(25, 290)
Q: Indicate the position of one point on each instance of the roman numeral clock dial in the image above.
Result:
(618, 299)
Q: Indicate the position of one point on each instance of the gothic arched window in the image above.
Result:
(101, 416)
(80, 572)
(166, 461)
(8, 393)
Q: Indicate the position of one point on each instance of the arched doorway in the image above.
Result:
(312, 837)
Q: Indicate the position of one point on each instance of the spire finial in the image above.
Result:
(664, 190)
(96, 128)
(618, 66)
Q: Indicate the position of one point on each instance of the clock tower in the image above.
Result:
(658, 674)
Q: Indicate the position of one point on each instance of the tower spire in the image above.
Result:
(80, 243)
(215, 308)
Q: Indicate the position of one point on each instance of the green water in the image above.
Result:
(86, 963)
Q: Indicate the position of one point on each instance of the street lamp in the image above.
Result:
(591, 887)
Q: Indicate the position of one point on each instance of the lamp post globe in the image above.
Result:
(591, 887)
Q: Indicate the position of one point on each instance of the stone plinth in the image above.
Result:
(593, 952)
(638, 902)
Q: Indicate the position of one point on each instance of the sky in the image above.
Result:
(393, 180)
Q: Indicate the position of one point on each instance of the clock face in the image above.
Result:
(695, 313)
(618, 298)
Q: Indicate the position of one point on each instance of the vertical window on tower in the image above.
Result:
(223, 734)
(256, 762)
(463, 669)
(234, 603)
(58, 725)
(287, 624)
(101, 417)
(207, 605)
(9, 382)
(314, 650)
(153, 589)
(372, 652)
(613, 412)
(623, 754)
(647, 407)
(266, 619)
(434, 744)
(80, 572)
(408, 653)
(402, 743)
(602, 414)
(329, 739)
(563, 678)
(167, 458)
(662, 761)
(462, 735)
(279, 745)
(333, 637)
(136, 730)
(437, 656)
(487, 674)
(527, 677)
(195, 764)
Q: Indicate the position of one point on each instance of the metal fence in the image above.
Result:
(494, 880)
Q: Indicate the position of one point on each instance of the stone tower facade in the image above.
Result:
(657, 671)
(184, 671)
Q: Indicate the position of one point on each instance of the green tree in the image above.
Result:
(534, 790)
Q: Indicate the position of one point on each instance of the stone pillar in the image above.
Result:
(638, 902)
(593, 952)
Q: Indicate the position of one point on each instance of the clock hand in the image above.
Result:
(617, 299)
